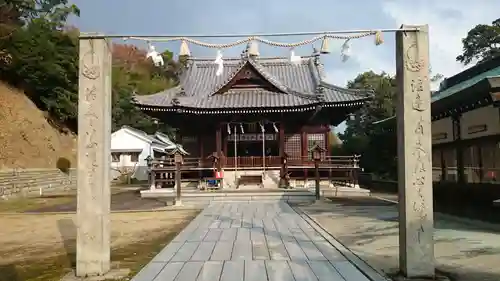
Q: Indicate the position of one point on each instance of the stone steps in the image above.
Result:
(205, 197)
(31, 181)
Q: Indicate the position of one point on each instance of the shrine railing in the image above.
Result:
(256, 161)
(326, 161)
(253, 161)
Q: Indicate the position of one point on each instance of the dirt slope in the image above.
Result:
(27, 140)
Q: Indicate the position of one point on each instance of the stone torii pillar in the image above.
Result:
(94, 131)
(416, 224)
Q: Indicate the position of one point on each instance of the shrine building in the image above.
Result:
(255, 113)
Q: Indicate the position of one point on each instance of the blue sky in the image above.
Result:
(449, 21)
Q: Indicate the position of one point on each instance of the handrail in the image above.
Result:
(257, 161)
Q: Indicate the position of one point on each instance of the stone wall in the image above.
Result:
(24, 182)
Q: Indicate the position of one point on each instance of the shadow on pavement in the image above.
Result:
(372, 207)
(67, 230)
(369, 227)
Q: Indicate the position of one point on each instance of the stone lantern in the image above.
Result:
(149, 163)
(316, 153)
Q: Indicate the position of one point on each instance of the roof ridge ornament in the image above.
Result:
(320, 93)
(316, 60)
(175, 101)
(181, 93)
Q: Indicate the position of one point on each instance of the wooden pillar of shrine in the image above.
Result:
(328, 150)
(218, 145)
(281, 136)
(459, 150)
(303, 140)
(201, 151)
(327, 143)
(281, 139)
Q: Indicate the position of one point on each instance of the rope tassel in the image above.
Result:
(184, 51)
(253, 49)
(379, 38)
(325, 49)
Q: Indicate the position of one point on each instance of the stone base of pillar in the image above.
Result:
(178, 203)
(113, 274)
(434, 278)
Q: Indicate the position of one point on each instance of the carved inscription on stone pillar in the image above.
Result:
(94, 112)
(91, 71)
(414, 154)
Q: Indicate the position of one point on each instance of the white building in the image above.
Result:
(130, 148)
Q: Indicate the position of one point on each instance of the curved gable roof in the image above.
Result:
(300, 85)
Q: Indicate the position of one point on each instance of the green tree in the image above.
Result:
(45, 64)
(124, 112)
(39, 54)
(133, 74)
(361, 137)
(482, 43)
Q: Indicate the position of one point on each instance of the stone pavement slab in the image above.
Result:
(250, 241)
(369, 227)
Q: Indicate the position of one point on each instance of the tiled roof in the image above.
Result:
(139, 132)
(457, 88)
(298, 85)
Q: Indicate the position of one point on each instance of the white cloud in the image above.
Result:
(448, 20)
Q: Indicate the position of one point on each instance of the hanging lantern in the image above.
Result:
(345, 52)
(293, 58)
(220, 62)
(228, 129)
(325, 49)
(262, 129)
(241, 128)
(184, 50)
(253, 49)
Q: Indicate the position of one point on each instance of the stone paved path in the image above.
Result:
(369, 227)
(252, 242)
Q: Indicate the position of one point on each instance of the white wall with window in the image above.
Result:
(128, 154)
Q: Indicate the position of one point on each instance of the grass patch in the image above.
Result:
(56, 198)
(130, 250)
(23, 204)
